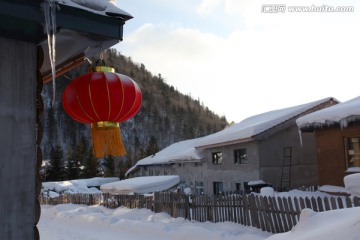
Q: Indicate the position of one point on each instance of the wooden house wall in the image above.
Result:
(331, 154)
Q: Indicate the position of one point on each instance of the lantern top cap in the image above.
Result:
(101, 69)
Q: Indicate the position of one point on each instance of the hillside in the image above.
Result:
(166, 115)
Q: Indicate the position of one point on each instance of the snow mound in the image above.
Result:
(334, 189)
(306, 213)
(329, 225)
(267, 191)
(352, 183)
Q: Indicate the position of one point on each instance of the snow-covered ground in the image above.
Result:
(70, 222)
(74, 222)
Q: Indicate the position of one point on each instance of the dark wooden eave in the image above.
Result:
(24, 20)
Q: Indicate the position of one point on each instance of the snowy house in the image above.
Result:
(337, 139)
(263, 147)
(70, 30)
(181, 159)
(266, 147)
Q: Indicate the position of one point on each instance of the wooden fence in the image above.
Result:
(87, 199)
(107, 200)
(270, 214)
(129, 201)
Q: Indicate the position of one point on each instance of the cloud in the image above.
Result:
(208, 6)
(291, 59)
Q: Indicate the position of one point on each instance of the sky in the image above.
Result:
(240, 59)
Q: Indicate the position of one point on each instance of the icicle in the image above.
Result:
(49, 9)
(300, 136)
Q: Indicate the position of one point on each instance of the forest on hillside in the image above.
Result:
(166, 115)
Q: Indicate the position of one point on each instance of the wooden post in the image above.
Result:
(18, 141)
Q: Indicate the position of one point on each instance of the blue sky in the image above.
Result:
(240, 61)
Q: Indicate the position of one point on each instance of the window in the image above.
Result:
(217, 158)
(238, 187)
(199, 188)
(218, 187)
(352, 147)
(240, 156)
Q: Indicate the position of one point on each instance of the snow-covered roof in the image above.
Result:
(141, 184)
(177, 152)
(342, 114)
(252, 126)
(103, 7)
(180, 151)
(77, 186)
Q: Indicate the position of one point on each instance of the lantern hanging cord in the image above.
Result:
(100, 61)
(49, 10)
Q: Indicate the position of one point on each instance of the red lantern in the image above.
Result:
(103, 98)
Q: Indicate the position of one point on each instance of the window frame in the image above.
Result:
(347, 149)
(218, 188)
(199, 188)
(216, 159)
(240, 160)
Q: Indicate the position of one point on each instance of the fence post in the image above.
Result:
(188, 207)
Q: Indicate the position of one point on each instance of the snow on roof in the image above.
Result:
(254, 125)
(77, 186)
(142, 185)
(180, 151)
(98, 181)
(256, 182)
(342, 114)
(103, 7)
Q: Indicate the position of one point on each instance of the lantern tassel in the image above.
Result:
(106, 138)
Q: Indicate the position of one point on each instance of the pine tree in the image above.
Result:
(56, 169)
(109, 164)
(91, 166)
(73, 166)
(152, 147)
(76, 158)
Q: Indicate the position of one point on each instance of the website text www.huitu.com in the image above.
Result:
(282, 8)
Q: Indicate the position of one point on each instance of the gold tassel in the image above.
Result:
(106, 139)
